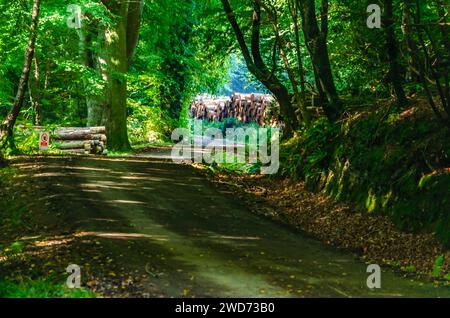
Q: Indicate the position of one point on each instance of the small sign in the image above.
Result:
(44, 141)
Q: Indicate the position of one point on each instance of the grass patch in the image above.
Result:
(41, 288)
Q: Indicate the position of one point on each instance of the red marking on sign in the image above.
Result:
(44, 141)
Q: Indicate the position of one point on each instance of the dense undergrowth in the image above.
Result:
(396, 164)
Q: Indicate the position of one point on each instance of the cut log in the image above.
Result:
(78, 135)
(88, 140)
(74, 151)
(92, 130)
(76, 144)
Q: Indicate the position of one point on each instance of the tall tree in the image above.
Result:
(437, 63)
(35, 93)
(174, 68)
(258, 67)
(111, 59)
(395, 72)
(316, 42)
(7, 127)
(293, 8)
(283, 45)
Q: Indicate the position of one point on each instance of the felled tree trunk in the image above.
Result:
(7, 127)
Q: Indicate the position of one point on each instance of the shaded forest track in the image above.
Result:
(147, 227)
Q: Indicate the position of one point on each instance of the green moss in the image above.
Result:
(371, 202)
(386, 199)
(425, 180)
(381, 167)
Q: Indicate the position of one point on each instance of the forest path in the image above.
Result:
(147, 227)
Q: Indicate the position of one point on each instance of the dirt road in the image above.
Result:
(147, 227)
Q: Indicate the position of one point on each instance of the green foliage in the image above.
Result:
(227, 123)
(383, 162)
(171, 65)
(437, 268)
(234, 168)
(309, 153)
(149, 123)
(27, 143)
(41, 288)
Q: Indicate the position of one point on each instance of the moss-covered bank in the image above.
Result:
(395, 164)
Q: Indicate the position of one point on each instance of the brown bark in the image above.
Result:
(7, 127)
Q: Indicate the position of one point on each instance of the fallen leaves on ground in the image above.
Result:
(375, 237)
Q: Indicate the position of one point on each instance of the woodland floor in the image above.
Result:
(146, 227)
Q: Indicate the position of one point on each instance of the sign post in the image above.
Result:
(44, 141)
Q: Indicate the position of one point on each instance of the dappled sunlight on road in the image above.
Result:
(156, 217)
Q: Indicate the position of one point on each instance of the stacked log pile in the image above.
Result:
(78, 140)
(246, 108)
(91, 140)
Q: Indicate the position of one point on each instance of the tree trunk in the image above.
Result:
(35, 92)
(174, 69)
(94, 58)
(395, 76)
(290, 71)
(414, 61)
(301, 71)
(316, 42)
(112, 61)
(135, 11)
(7, 127)
(259, 69)
(117, 67)
(443, 13)
(422, 70)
